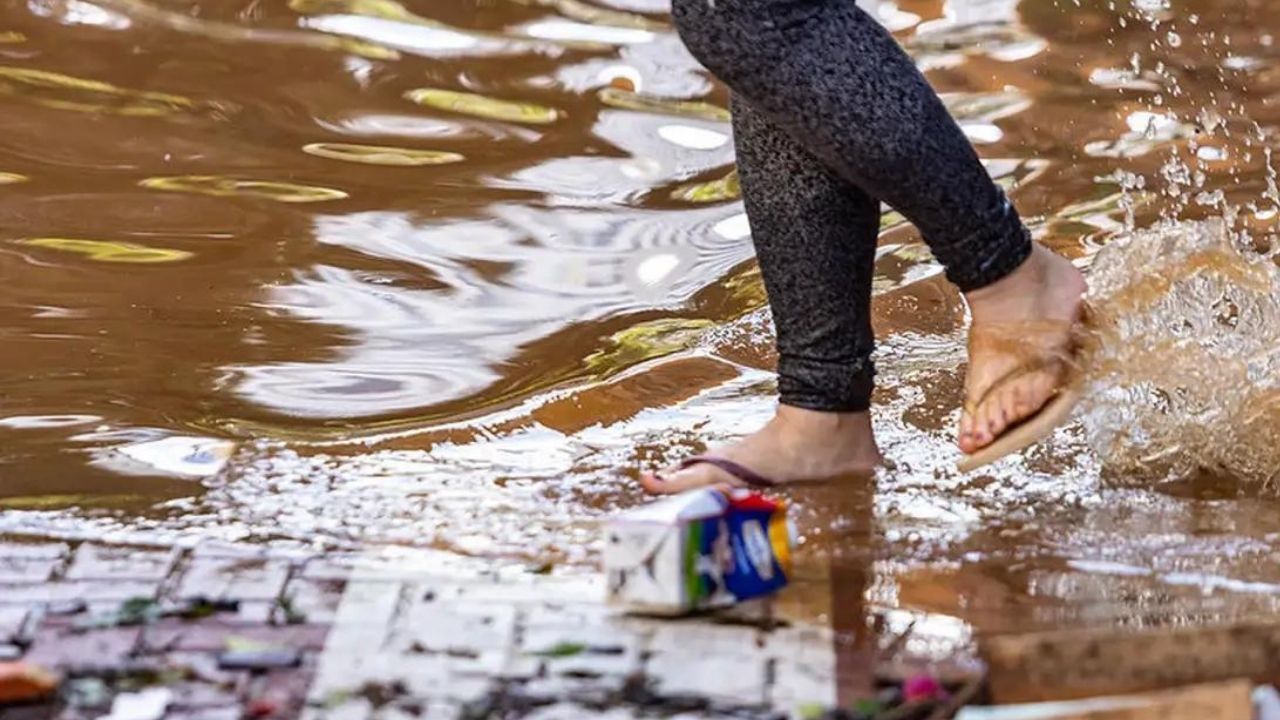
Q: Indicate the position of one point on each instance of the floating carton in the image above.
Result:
(700, 549)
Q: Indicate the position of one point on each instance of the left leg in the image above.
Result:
(815, 238)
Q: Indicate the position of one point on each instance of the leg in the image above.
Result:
(836, 81)
(815, 239)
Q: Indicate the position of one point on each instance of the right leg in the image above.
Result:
(815, 239)
(837, 82)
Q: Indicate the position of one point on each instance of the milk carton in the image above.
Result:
(700, 549)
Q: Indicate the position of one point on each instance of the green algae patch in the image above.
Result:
(628, 100)
(65, 92)
(381, 9)
(646, 341)
(593, 15)
(108, 250)
(220, 186)
(719, 190)
(381, 155)
(482, 106)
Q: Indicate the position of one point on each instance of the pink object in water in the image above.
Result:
(922, 688)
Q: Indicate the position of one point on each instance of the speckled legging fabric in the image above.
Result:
(830, 118)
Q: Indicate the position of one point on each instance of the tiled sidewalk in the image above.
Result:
(244, 632)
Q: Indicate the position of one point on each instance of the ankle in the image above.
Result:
(798, 421)
(1042, 281)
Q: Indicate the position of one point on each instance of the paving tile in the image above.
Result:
(212, 635)
(99, 592)
(432, 710)
(20, 563)
(121, 562)
(194, 696)
(442, 627)
(315, 600)
(13, 620)
(34, 550)
(246, 578)
(804, 670)
(62, 647)
(226, 712)
(356, 709)
(724, 663)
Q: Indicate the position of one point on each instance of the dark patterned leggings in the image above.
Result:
(831, 117)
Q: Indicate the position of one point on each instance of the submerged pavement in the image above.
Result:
(226, 631)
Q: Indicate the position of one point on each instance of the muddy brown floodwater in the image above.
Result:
(448, 272)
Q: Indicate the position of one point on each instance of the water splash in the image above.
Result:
(1186, 369)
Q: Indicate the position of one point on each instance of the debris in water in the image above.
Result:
(257, 660)
(149, 704)
(23, 682)
(699, 549)
(183, 456)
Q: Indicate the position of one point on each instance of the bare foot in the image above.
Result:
(1025, 317)
(796, 445)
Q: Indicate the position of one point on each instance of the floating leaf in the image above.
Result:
(482, 106)
(382, 9)
(12, 37)
(587, 13)
(108, 251)
(65, 92)
(381, 155)
(628, 100)
(220, 186)
(9, 178)
(721, 190)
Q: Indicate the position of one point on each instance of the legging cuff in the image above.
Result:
(824, 385)
(986, 255)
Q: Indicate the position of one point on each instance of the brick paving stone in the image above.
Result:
(200, 666)
(354, 709)
(96, 593)
(212, 635)
(315, 600)
(62, 647)
(287, 689)
(121, 562)
(442, 627)
(233, 578)
(425, 711)
(193, 696)
(13, 620)
(724, 663)
(228, 712)
(804, 667)
(570, 711)
(35, 563)
(388, 618)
